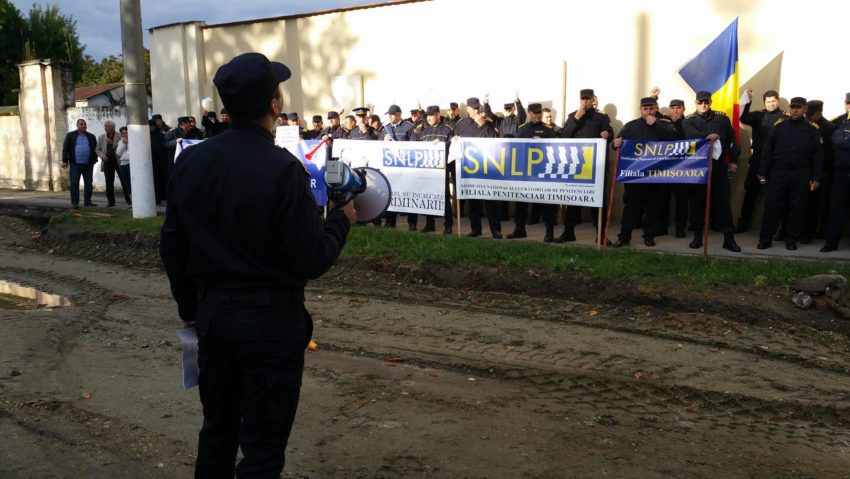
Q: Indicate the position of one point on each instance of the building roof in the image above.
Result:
(91, 91)
(365, 5)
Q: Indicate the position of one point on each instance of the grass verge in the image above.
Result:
(693, 272)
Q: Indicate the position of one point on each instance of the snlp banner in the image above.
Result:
(313, 155)
(415, 169)
(683, 161)
(553, 171)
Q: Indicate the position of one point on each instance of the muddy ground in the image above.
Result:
(430, 371)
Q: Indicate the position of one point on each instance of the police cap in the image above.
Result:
(453, 105)
(508, 106)
(473, 102)
(247, 82)
(157, 116)
(798, 101)
(535, 108)
(648, 101)
(703, 95)
(332, 115)
(393, 109)
(587, 93)
(361, 111)
(317, 118)
(292, 116)
(814, 106)
(680, 103)
(183, 119)
(433, 110)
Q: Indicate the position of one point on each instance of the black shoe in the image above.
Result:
(110, 205)
(731, 245)
(620, 244)
(607, 242)
(89, 204)
(805, 239)
(649, 241)
(447, 230)
(791, 245)
(473, 234)
(411, 228)
(567, 236)
(549, 236)
(533, 221)
(828, 249)
(680, 233)
(696, 242)
(428, 229)
(743, 226)
(764, 244)
(518, 233)
(780, 236)
(498, 235)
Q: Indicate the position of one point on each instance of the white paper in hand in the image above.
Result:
(716, 149)
(189, 346)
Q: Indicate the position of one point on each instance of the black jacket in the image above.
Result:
(639, 129)
(240, 216)
(761, 122)
(698, 127)
(507, 126)
(841, 144)
(70, 144)
(539, 130)
(591, 125)
(793, 144)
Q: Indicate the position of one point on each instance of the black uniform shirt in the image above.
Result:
(639, 129)
(761, 122)
(538, 129)
(700, 126)
(793, 144)
(591, 125)
(240, 215)
(507, 126)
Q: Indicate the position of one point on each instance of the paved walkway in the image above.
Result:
(585, 233)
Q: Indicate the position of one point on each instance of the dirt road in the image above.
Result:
(425, 372)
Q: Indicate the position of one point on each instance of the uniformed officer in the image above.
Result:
(238, 262)
(417, 116)
(508, 124)
(817, 205)
(585, 122)
(840, 194)
(363, 130)
(294, 120)
(642, 200)
(334, 128)
(716, 128)
(436, 130)
(761, 122)
(316, 131)
(349, 124)
(682, 193)
(454, 115)
(482, 128)
(792, 165)
(548, 120)
(397, 129)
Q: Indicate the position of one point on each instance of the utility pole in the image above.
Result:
(138, 132)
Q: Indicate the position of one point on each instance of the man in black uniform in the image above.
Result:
(417, 116)
(363, 130)
(840, 194)
(792, 165)
(509, 124)
(817, 205)
(535, 128)
(436, 130)
(761, 122)
(586, 122)
(640, 198)
(716, 128)
(454, 115)
(477, 125)
(397, 130)
(334, 129)
(242, 235)
(682, 193)
(315, 133)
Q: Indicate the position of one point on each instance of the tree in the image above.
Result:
(109, 70)
(53, 35)
(12, 36)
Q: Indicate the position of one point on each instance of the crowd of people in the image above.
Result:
(801, 158)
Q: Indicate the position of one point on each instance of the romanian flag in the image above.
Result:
(715, 69)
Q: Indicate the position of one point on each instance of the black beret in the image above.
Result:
(393, 109)
(680, 103)
(332, 114)
(798, 101)
(433, 110)
(453, 104)
(157, 116)
(535, 107)
(814, 106)
(703, 95)
(182, 119)
(317, 118)
(648, 101)
(586, 93)
(473, 102)
(292, 116)
(248, 81)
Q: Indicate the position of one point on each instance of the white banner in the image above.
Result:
(182, 145)
(415, 169)
(560, 172)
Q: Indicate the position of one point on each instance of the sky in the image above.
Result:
(99, 27)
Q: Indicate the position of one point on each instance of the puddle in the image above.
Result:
(16, 297)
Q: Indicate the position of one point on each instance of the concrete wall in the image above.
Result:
(441, 51)
(13, 153)
(179, 71)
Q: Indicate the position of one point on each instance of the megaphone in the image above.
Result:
(367, 187)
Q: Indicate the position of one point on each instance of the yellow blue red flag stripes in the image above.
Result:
(715, 70)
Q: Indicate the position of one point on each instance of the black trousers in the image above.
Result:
(839, 199)
(110, 168)
(251, 357)
(817, 208)
(682, 195)
(752, 186)
(548, 212)
(721, 206)
(641, 201)
(160, 177)
(494, 215)
(448, 213)
(787, 192)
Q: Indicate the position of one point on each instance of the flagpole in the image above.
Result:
(707, 208)
(611, 199)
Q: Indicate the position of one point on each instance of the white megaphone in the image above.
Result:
(367, 187)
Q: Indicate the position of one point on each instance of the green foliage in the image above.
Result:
(99, 220)
(53, 35)
(12, 36)
(110, 70)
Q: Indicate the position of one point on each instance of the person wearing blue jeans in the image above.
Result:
(78, 152)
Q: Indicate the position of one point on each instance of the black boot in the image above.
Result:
(567, 236)
(519, 232)
(550, 234)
